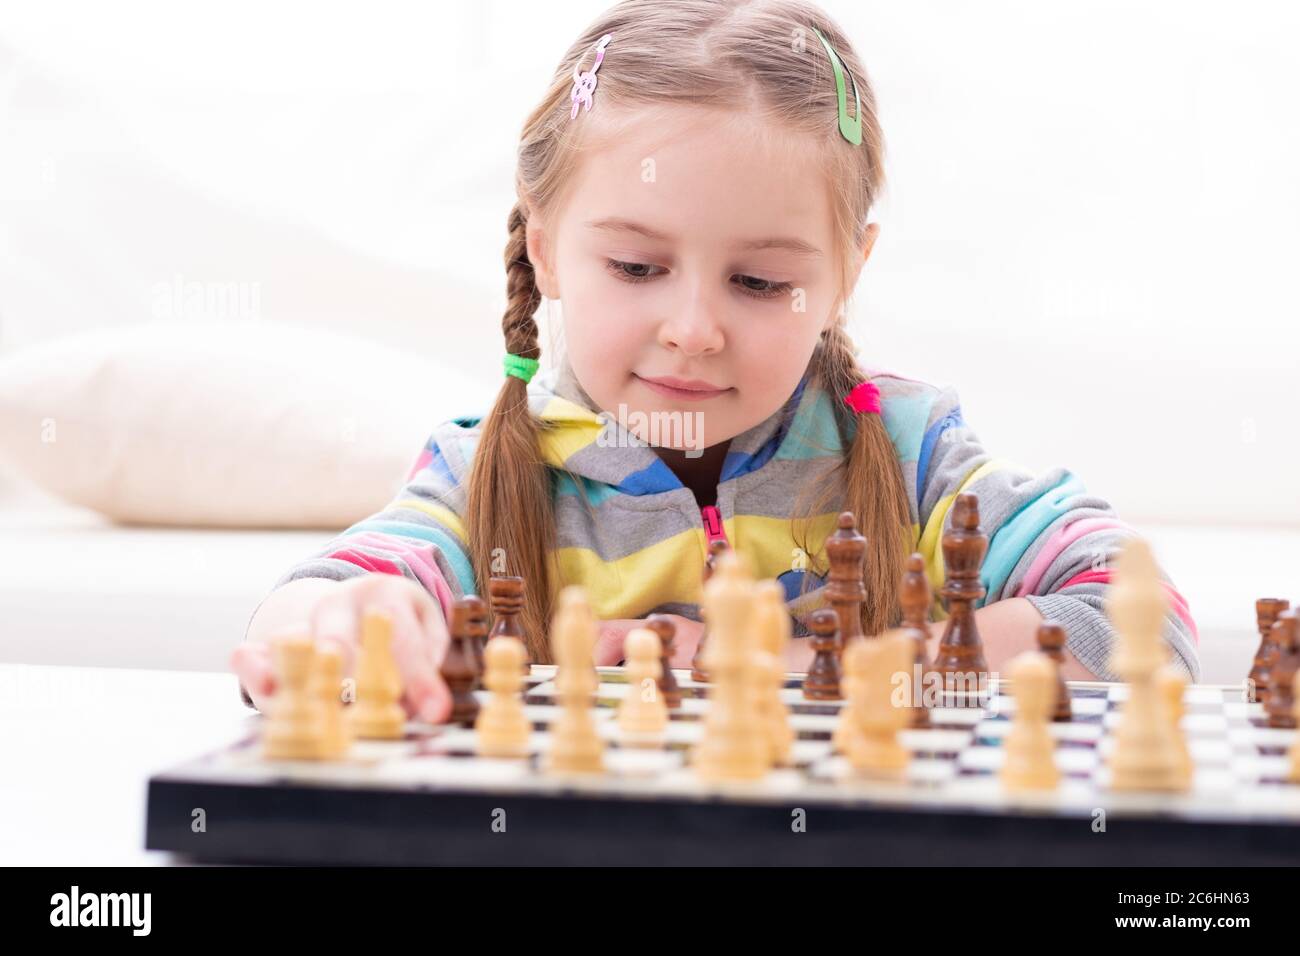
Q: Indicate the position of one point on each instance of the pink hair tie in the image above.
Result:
(865, 397)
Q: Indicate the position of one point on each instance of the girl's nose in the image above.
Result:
(694, 326)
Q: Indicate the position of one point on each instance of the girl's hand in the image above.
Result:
(609, 644)
(420, 640)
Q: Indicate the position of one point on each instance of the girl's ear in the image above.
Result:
(868, 243)
(543, 274)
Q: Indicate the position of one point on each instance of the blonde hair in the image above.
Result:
(761, 57)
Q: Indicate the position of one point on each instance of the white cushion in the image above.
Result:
(224, 423)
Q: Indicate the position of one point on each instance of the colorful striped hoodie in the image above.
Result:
(638, 541)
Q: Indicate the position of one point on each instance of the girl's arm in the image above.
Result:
(1051, 546)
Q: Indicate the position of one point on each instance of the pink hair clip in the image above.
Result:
(865, 397)
(584, 84)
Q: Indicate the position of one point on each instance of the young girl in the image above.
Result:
(694, 189)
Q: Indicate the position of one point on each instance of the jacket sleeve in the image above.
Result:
(419, 534)
(1050, 540)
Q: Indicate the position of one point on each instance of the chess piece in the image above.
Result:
(502, 727)
(293, 729)
(460, 665)
(870, 667)
(1051, 641)
(327, 686)
(717, 548)
(1294, 775)
(960, 658)
(506, 595)
(1266, 614)
(1029, 751)
(845, 588)
(377, 713)
(822, 682)
(772, 624)
(643, 713)
(664, 627)
(734, 745)
(576, 747)
(914, 599)
(478, 624)
(1280, 704)
(1172, 684)
(1145, 754)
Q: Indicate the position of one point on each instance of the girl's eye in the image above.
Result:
(750, 285)
(763, 288)
(630, 271)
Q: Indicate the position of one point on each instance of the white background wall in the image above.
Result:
(1090, 226)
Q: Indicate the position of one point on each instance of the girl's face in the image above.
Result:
(694, 262)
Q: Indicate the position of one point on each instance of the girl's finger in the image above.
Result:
(252, 665)
(334, 622)
(609, 642)
(424, 691)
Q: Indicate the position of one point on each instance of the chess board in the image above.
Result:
(429, 799)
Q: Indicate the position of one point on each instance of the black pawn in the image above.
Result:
(822, 682)
(663, 626)
(1051, 641)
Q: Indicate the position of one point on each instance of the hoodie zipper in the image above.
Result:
(713, 523)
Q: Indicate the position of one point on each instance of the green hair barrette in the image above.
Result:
(850, 128)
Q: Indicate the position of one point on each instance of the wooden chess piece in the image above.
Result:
(294, 722)
(717, 548)
(915, 598)
(502, 728)
(772, 624)
(506, 595)
(459, 666)
(327, 677)
(1029, 751)
(643, 713)
(1051, 641)
(845, 588)
(1266, 614)
(960, 658)
(1145, 754)
(1280, 705)
(734, 745)
(1294, 775)
(871, 741)
(576, 746)
(822, 682)
(377, 713)
(1172, 684)
(666, 630)
(476, 625)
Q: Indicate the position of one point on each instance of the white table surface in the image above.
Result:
(77, 747)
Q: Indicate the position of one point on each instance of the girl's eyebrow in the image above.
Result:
(789, 244)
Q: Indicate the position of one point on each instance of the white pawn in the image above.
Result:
(377, 713)
(871, 737)
(643, 714)
(502, 727)
(576, 746)
(294, 723)
(773, 626)
(1029, 751)
(327, 686)
(1172, 685)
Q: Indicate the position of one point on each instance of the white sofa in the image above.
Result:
(77, 589)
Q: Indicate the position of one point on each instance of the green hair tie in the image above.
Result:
(520, 367)
(850, 129)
